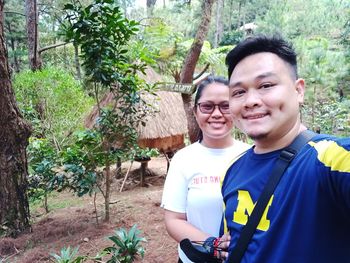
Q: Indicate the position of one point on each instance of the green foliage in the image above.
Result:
(126, 247)
(145, 153)
(68, 255)
(178, 15)
(52, 101)
(42, 160)
(322, 65)
(170, 48)
(15, 32)
(80, 162)
(102, 32)
(331, 117)
(300, 18)
(231, 37)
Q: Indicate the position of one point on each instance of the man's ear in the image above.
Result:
(300, 89)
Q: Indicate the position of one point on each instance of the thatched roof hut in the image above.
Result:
(166, 128)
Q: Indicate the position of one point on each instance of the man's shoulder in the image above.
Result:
(326, 141)
(333, 152)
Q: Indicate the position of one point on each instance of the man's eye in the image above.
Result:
(266, 85)
(238, 93)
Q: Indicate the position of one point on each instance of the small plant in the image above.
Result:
(127, 246)
(145, 153)
(68, 255)
(42, 161)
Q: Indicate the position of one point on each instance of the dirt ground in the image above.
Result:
(75, 225)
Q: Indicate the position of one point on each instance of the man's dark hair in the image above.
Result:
(262, 43)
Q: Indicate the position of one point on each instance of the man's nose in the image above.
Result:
(253, 98)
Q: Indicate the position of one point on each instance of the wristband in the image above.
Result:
(210, 245)
(216, 245)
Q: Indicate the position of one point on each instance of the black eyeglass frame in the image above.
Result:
(219, 105)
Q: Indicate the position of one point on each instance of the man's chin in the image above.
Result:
(257, 136)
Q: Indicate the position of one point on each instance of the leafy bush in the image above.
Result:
(80, 162)
(53, 101)
(231, 38)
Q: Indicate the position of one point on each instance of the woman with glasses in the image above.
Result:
(192, 194)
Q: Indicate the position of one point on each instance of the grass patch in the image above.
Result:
(56, 201)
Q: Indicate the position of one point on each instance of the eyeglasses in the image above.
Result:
(209, 107)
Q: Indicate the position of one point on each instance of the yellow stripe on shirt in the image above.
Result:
(332, 155)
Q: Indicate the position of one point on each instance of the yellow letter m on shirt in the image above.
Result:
(244, 209)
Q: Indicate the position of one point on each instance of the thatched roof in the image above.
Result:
(169, 120)
(164, 129)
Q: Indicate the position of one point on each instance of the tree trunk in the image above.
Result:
(230, 15)
(32, 34)
(118, 166)
(189, 66)
(15, 63)
(107, 194)
(239, 14)
(150, 6)
(14, 133)
(76, 61)
(219, 26)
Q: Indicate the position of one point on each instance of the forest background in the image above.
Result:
(62, 63)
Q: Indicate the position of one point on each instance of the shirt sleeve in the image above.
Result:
(176, 186)
(334, 157)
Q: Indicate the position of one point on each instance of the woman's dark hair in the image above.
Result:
(261, 43)
(202, 85)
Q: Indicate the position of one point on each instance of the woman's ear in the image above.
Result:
(194, 109)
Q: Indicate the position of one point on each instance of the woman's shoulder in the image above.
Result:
(189, 149)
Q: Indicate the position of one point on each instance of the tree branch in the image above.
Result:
(53, 46)
(202, 72)
(14, 13)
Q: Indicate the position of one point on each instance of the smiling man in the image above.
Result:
(308, 216)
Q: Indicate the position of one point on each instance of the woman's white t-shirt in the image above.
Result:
(193, 187)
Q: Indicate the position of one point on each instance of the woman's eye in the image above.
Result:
(225, 106)
(207, 106)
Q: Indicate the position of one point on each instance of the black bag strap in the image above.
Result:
(285, 158)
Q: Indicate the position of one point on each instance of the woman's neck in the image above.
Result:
(217, 143)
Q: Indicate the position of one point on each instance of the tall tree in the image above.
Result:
(14, 134)
(14, 28)
(189, 66)
(219, 25)
(32, 34)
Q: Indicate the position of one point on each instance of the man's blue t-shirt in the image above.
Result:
(308, 216)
